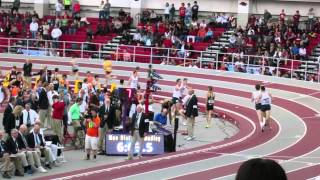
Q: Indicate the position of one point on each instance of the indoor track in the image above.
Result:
(292, 141)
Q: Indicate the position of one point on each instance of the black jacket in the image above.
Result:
(31, 141)
(192, 107)
(20, 142)
(12, 147)
(8, 119)
(44, 77)
(43, 99)
(110, 120)
(143, 126)
(27, 69)
(3, 149)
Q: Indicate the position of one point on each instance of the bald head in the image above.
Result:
(23, 129)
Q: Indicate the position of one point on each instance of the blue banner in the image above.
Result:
(119, 144)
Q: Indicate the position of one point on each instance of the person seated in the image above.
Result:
(7, 168)
(162, 117)
(209, 35)
(15, 150)
(100, 30)
(259, 168)
(32, 155)
(201, 35)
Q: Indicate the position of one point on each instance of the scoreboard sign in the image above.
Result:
(119, 144)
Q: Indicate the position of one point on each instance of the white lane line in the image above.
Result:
(202, 170)
(170, 156)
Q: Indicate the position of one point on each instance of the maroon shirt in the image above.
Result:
(58, 110)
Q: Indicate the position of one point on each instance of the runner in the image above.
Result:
(210, 105)
(134, 80)
(265, 99)
(255, 98)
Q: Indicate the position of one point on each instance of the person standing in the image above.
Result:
(172, 12)
(265, 99)
(101, 11)
(67, 4)
(58, 7)
(34, 28)
(43, 102)
(107, 117)
(27, 70)
(29, 116)
(210, 105)
(134, 80)
(57, 116)
(167, 11)
(195, 10)
(182, 12)
(15, 6)
(55, 34)
(138, 131)
(91, 141)
(191, 114)
(75, 117)
(8, 120)
(255, 99)
(107, 7)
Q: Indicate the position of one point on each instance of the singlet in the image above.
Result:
(255, 95)
(211, 99)
(134, 82)
(176, 93)
(265, 98)
(1, 94)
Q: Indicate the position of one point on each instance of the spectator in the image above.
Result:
(302, 53)
(107, 7)
(102, 12)
(188, 14)
(76, 9)
(58, 7)
(13, 30)
(55, 34)
(8, 117)
(311, 15)
(201, 35)
(7, 168)
(57, 116)
(162, 117)
(15, 6)
(29, 116)
(282, 16)
(182, 12)
(14, 148)
(75, 117)
(67, 4)
(267, 16)
(167, 11)
(73, 27)
(172, 12)
(92, 128)
(296, 20)
(259, 169)
(195, 9)
(34, 28)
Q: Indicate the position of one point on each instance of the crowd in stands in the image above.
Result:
(38, 112)
(276, 41)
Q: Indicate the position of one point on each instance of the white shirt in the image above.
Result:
(56, 33)
(34, 26)
(58, 7)
(134, 82)
(50, 95)
(202, 24)
(167, 10)
(137, 36)
(302, 51)
(33, 116)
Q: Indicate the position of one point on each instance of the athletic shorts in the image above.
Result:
(258, 106)
(175, 100)
(91, 143)
(265, 108)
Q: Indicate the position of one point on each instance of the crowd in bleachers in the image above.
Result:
(276, 41)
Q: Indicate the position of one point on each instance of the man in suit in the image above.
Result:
(27, 70)
(32, 155)
(7, 168)
(44, 105)
(45, 74)
(139, 129)
(191, 113)
(107, 116)
(16, 151)
(8, 117)
(36, 142)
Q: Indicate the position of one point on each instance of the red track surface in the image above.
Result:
(305, 145)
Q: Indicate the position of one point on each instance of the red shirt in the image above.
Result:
(182, 11)
(93, 127)
(167, 43)
(282, 16)
(58, 110)
(296, 18)
(76, 7)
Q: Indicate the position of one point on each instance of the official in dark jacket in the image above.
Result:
(191, 113)
(8, 118)
(108, 118)
(139, 129)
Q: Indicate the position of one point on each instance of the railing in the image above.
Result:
(280, 67)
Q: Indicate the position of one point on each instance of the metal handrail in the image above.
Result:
(140, 52)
